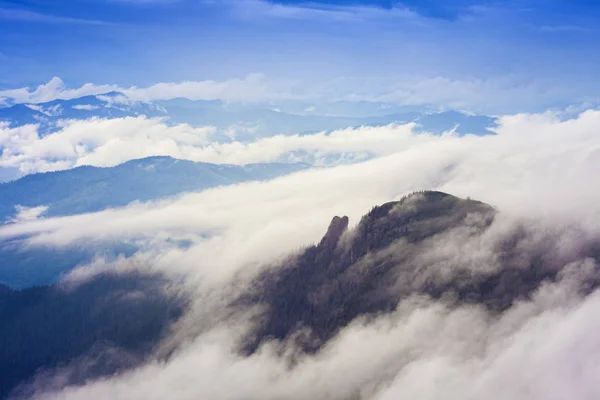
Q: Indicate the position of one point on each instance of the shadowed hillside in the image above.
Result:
(394, 253)
(429, 244)
(88, 189)
(98, 328)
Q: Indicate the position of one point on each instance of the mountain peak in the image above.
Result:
(336, 229)
(150, 159)
(112, 93)
(326, 287)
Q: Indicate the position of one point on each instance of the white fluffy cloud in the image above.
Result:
(544, 349)
(253, 87)
(536, 166)
(52, 90)
(535, 150)
(28, 213)
(99, 142)
(108, 142)
(495, 95)
(87, 107)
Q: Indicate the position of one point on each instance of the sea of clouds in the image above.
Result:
(536, 169)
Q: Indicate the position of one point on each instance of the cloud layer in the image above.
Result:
(108, 142)
(494, 95)
(253, 87)
(538, 170)
(422, 351)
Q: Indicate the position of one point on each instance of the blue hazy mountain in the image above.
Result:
(439, 122)
(346, 108)
(249, 120)
(88, 189)
(109, 105)
(264, 120)
(23, 266)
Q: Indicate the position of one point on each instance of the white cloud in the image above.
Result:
(254, 87)
(564, 28)
(536, 166)
(87, 107)
(518, 170)
(539, 350)
(34, 107)
(250, 9)
(51, 111)
(31, 16)
(99, 142)
(497, 95)
(28, 213)
(54, 89)
(144, 2)
(108, 142)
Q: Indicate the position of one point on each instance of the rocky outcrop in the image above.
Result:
(336, 229)
(396, 251)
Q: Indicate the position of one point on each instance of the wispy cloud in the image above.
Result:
(54, 89)
(254, 87)
(536, 164)
(103, 142)
(563, 28)
(414, 8)
(314, 11)
(31, 16)
(144, 2)
(497, 95)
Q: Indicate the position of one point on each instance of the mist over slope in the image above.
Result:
(399, 250)
(434, 285)
(424, 297)
(91, 189)
(95, 328)
(88, 189)
(299, 200)
(353, 273)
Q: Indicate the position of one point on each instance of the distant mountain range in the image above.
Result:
(250, 120)
(109, 105)
(89, 189)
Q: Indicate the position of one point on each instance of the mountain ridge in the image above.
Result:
(389, 257)
(392, 255)
(266, 119)
(90, 188)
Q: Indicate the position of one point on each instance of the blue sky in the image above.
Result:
(546, 46)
